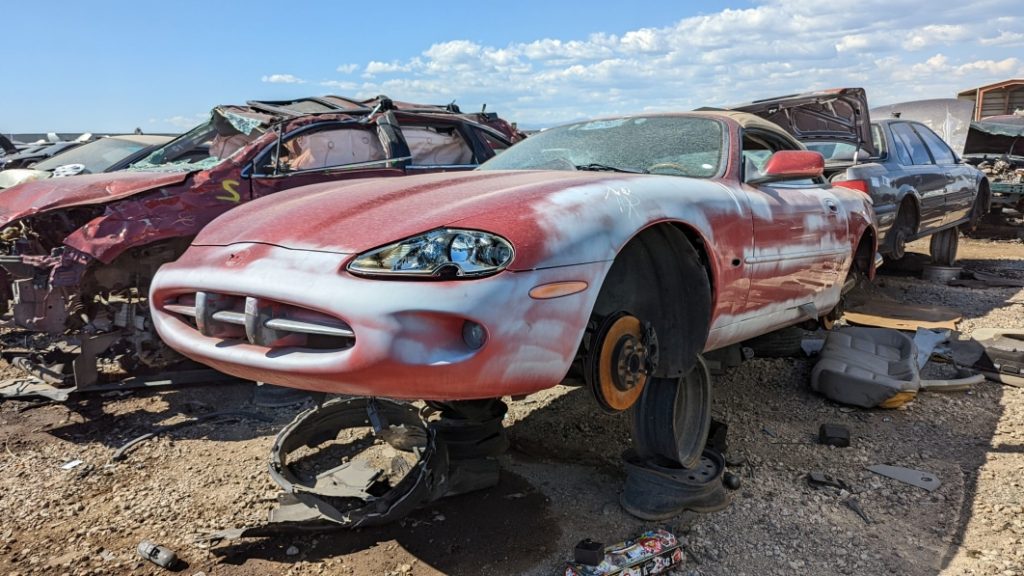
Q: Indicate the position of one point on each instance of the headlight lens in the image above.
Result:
(442, 253)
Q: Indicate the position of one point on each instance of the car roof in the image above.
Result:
(145, 139)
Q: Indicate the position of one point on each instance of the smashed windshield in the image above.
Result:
(204, 146)
(672, 145)
(96, 156)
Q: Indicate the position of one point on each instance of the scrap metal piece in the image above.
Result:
(28, 386)
(819, 479)
(918, 478)
(854, 504)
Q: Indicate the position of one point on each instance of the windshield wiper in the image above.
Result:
(595, 167)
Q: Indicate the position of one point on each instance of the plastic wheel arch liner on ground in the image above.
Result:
(393, 421)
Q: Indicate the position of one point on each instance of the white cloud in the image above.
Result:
(374, 67)
(897, 49)
(282, 79)
(1005, 38)
(347, 68)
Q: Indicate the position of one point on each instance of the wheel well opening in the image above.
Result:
(908, 209)
(864, 256)
(661, 276)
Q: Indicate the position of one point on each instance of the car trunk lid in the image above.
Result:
(839, 115)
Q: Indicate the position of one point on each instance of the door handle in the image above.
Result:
(833, 208)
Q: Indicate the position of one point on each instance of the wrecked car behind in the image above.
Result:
(918, 185)
(107, 154)
(78, 253)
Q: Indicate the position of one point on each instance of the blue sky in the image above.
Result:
(110, 66)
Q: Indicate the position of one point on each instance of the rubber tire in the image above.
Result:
(672, 418)
(944, 246)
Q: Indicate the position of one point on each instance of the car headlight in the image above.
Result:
(443, 253)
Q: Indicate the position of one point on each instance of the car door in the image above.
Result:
(920, 173)
(800, 239)
(326, 151)
(961, 187)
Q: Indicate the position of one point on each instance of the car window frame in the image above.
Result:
(910, 155)
(918, 127)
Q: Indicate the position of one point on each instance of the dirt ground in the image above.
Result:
(560, 480)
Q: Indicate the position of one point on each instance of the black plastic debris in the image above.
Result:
(357, 493)
(834, 435)
(818, 479)
(588, 552)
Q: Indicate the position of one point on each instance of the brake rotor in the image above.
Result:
(623, 354)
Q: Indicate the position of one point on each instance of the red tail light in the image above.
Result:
(858, 185)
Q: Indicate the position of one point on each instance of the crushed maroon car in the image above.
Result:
(78, 253)
(612, 251)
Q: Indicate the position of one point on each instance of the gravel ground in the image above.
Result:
(560, 481)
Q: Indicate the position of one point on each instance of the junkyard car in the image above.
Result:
(104, 155)
(996, 146)
(27, 156)
(918, 185)
(79, 252)
(616, 249)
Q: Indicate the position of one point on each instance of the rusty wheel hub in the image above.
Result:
(624, 353)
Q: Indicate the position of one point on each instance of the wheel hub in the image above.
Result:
(624, 353)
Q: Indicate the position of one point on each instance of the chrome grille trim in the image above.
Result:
(258, 320)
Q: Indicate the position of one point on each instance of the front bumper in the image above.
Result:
(260, 303)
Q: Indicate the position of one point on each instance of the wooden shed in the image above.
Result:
(995, 99)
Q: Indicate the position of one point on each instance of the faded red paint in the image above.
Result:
(770, 250)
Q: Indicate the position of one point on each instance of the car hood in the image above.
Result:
(350, 217)
(950, 118)
(1000, 135)
(15, 176)
(839, 115)
(56, 193)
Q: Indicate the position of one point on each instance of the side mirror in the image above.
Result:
(791, 165)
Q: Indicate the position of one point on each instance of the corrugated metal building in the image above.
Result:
(995, 99)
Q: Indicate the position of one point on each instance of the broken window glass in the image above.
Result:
(671, 145)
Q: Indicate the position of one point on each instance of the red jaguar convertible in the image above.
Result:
(615, 250)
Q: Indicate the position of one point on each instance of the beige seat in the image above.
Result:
(224, 146)
(335, 148)
(432, 148)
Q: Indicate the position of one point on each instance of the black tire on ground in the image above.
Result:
(671, 419)
(779, 344)
(944, 246)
